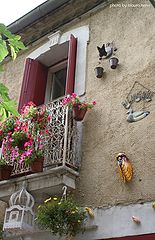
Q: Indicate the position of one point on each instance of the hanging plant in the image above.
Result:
(78, 106)
(61, 216)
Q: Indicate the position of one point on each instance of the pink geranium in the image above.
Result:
(74, 100)
(24, 142)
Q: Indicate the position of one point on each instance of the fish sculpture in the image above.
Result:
(125, 167)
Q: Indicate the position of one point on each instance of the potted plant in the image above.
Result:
(6, 127)
(61, 216)
(25, 142)
(5, 169)
(79, 107)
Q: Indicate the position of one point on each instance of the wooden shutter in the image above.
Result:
(70, 78)
(34, 83)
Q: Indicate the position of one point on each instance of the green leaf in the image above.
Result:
(4, 92)
(9, 43)
(3, 114)
(3, 50)
(13, 53)
(16, 44)
(5, 31)
(10, 107)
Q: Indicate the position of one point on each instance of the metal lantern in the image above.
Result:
(19, 217)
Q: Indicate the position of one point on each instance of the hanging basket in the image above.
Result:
(37, 165)
(5, 172)
(78, 114)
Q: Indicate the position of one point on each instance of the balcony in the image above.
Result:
(61, 159)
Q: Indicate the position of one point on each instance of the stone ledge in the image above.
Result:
(40, 185)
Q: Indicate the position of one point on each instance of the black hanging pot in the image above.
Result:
(113, 62)
(99, 72)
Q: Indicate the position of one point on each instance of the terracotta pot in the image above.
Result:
(113, 62)
(78, 114)
(5, 172)
(37, 165)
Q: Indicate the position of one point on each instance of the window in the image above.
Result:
(57, 80)
(45, 69)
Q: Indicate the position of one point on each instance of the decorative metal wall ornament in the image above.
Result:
(99, 72)
(19, 217)
(125, 167)
(113, 62)
(105, 51)
(143, 95)
(108, 51)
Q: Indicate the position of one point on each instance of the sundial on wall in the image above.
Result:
(136, 102)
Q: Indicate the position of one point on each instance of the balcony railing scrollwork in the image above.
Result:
(61, 144)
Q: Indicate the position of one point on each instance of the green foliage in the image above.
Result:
(63, 217)
(18, 138)
(7, 106)
(3, 162)
(10, 44)
(7, 126)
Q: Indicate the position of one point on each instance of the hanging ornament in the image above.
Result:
(125, 167)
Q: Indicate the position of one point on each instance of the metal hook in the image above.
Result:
(64, 195)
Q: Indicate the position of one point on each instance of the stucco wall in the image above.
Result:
(106, 131)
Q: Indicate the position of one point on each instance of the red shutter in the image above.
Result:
(34, 83)
(70, 78)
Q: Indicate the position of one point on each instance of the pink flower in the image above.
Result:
(29, 152)
(94, 102)
(46, 131)
(73, 95)
(41, 146)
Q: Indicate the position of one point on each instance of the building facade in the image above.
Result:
(62, 39)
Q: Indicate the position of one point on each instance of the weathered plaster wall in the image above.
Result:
(106, 131)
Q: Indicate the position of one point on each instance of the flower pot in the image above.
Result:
(78, 114)
(99, 72)
(5, 172)
(37, 165)
(113, 62)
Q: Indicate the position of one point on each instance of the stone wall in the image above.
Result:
(106, 131)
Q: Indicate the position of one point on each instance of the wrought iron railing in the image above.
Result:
(61, 146)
